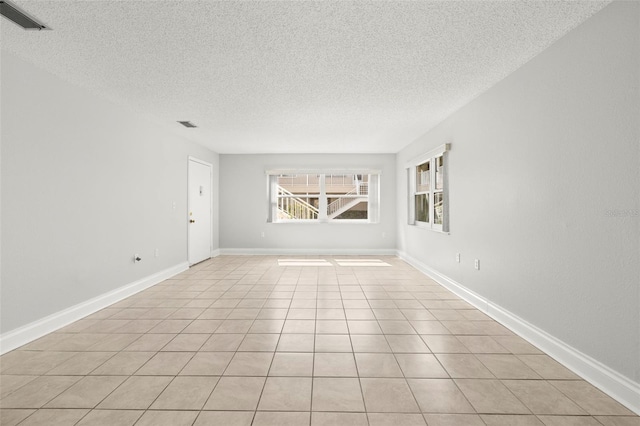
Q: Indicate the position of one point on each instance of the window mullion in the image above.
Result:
(322, 202)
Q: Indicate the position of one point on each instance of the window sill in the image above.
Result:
(327, 222)
(428, 227)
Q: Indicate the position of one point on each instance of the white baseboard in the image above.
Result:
(32, 331)
(307, 252)
(215, 253)
(619, 387)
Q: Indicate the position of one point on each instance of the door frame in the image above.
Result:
(205, 163)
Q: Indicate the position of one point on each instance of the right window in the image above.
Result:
(428, 190)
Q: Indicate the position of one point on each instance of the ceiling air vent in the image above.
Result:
(187, 124)
(13, 13)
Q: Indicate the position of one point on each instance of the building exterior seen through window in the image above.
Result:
(323, 196)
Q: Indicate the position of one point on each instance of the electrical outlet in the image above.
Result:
(458, 257)
(262, 234)
(157, 253)
(476, 264)
(384, 235)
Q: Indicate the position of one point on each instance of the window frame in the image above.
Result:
(373, 197)
(433, 158)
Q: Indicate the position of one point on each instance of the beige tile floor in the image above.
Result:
(239, 340)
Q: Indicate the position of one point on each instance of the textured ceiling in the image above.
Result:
(302, 76)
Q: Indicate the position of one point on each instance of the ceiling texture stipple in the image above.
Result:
(299, 76)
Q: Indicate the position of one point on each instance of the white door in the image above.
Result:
(199, 215)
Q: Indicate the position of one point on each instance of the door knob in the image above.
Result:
(192, 221)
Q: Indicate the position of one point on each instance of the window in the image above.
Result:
(428, 199)
(323, 196)
(298, 196)
(423, 179)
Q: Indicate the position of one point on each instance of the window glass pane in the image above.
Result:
(439, 172)
(347, 196)
(348, 184)
(423, 177)
(300, 183)
(422, 207)
(353, 210)
(438, 208)
(298, 196)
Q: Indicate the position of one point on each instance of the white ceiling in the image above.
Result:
(300, 76)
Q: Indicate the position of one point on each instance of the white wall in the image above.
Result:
(537, 164)
(85, 185)
(244, 204)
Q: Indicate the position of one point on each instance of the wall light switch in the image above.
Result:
(458, 257)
